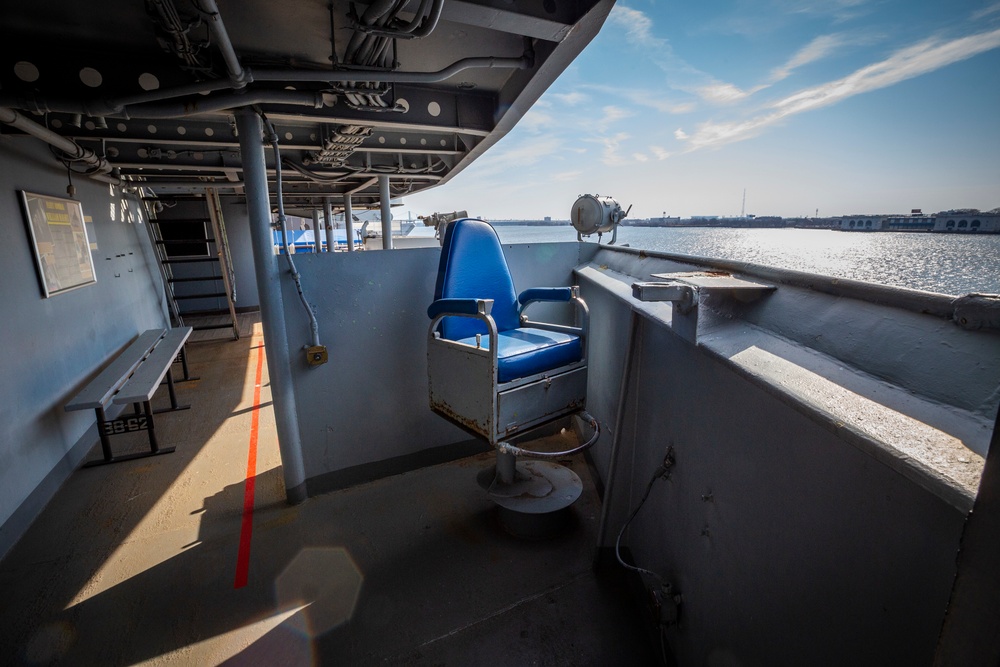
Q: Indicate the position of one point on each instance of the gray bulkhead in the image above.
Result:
(820, 487)
(50, 347)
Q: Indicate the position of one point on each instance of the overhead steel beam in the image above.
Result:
(500, 17)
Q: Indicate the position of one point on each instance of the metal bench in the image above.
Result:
(133, 377)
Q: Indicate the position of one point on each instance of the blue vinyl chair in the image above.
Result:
(491, 370)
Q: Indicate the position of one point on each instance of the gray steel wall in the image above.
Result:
(789, 544)
(49, 348)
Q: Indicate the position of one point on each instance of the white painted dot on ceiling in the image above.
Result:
(402, 140)
(91, 77)
(444, 143)
(209, 131)
(403, 104)
(288, 136)
(26, 71)
(423, 142)
(434, 109)
(151, 129)
(148, 81)
(381, 140)
(89, 125)
(181, 130)
(121, 127)
(199, 156)
(56, 123)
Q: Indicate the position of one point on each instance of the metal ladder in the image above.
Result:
(193, 277)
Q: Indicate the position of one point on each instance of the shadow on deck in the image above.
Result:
(136, 562)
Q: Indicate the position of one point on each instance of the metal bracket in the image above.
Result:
(316, 355)
(682, 296)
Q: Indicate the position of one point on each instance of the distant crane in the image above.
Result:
(743, 209)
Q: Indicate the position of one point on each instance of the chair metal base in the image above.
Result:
(534, 503)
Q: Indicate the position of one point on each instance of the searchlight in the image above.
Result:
(594, 214)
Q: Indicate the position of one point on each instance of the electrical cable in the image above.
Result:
(663, 470)
(273, 139)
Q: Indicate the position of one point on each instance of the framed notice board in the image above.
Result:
(59, 242)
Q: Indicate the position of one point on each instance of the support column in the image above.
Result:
(349, 222)
(317, 236)
(328, 218)
(383, 195)
(271, 309)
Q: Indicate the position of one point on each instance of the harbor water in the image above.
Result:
(944, 263)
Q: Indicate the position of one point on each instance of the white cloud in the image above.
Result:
(640, 157)
(612, 114)
(927, 56)
(610, 155)
(638, 26)
(643, 98)
(536, 121)
(724, 93)
(571, 99)
(680, 134)
(567, 176)
(519, 156)
(986, 11)
(659, 152)
(817, 49)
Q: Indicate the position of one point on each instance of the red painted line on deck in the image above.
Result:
(246, 528)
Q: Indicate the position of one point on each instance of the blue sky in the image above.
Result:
(845, 106)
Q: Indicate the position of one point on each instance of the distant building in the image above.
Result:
(968, 221)
(861, 223)
(916, 221)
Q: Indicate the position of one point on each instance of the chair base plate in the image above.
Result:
(535, 504)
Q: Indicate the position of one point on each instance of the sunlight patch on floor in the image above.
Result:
(216, 650)
(173, 524)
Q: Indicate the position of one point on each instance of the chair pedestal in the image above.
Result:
(533, 497)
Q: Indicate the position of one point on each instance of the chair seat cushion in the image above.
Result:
(526, 351)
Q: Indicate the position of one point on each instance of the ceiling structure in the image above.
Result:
(412, 89)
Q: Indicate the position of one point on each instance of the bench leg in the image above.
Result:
(173, 396)
(154, 447)
(102, 430)
(107, 428)
(182, 357)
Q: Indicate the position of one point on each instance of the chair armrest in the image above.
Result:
(545, 294)
(459, 307)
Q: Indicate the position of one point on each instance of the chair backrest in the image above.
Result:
(473, 266)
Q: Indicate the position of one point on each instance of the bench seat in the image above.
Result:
(99, 391)
(133, 377)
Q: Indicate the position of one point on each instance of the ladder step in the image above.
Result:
(190, 260)
(193, 280)
(168, 221)
(208, 313)
(206, 327)
(168, 241)
(201, 296)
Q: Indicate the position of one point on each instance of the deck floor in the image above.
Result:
(138, 562)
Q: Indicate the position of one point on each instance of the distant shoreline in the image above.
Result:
(769, 222)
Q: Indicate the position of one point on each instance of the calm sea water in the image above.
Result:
(948, 264)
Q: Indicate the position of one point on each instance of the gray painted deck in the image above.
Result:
(135, 563)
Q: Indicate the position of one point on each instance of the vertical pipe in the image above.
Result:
(317, 236)
(349, 222)
(616, 437)
(383, 195)
(328, 217)
(279, 362)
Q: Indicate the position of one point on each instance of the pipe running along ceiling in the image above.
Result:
(412, 89)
